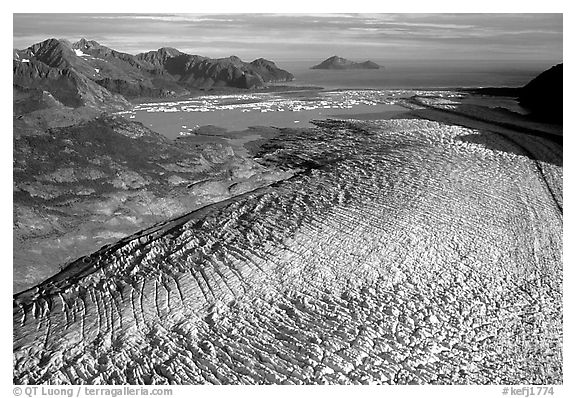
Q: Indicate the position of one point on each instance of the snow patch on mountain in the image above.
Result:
(80, 53)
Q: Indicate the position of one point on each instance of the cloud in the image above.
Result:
(163, 18)
(308, 35)
(428, 25)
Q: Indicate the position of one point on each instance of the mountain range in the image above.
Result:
(337, 62)
(86, 73)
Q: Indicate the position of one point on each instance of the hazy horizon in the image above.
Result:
(490, 38)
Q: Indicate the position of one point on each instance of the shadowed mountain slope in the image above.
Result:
(543, 95)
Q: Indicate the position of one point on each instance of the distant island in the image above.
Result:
(339, 63)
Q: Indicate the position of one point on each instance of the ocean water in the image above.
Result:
(362, 92)
(420, 74)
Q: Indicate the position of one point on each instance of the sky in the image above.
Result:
(477, 37)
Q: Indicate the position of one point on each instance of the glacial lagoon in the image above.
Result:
(237, 112)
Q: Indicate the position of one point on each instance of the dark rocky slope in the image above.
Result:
(543, 95)
(339, 63)
(66, 85)
(79, 187)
